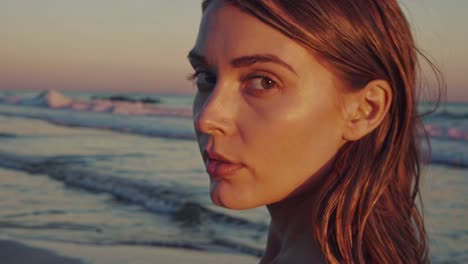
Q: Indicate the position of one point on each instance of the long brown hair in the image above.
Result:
(368, 212)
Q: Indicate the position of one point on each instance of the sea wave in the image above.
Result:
(53, 99)
(447, 131)
(455, 157)
(449, 141)
(450, 115)
(152, 126)
(7, 135)
(179, 205)
(165, 126)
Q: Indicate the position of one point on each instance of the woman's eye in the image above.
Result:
(206, 77)
(203, 79)
(261, 83)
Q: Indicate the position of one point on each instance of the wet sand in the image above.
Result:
(41, 252)
(12, 252)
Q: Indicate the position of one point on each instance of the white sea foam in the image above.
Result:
(51, 98)
(444, 131)
(54, 99)
(166, 124)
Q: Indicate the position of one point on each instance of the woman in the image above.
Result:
(308, 107)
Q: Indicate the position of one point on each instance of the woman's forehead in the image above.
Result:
(227, 32)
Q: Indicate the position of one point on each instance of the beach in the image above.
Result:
(40, 252)
(113, 182)
(14, 252)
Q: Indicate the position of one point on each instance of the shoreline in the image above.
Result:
(45, 252)
(15, 252)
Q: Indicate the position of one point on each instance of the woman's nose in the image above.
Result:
(215, 114)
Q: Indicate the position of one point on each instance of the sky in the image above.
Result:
(141, 45)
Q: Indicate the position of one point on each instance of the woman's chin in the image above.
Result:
(226, 195)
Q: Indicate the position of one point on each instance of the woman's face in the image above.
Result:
(265, 105)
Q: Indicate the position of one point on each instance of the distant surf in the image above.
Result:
(120, 105)
(135, 117)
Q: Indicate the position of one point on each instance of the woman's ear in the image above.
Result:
(367, 109)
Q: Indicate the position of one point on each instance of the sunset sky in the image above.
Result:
(141, 45)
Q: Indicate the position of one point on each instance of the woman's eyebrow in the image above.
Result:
(243, 61)
(246, 61)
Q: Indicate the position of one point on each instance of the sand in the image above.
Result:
(16, 253)
(40, 252)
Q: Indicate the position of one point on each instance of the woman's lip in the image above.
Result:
(213, 155)
(220, 168)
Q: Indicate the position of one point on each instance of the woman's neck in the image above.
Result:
(291, 238)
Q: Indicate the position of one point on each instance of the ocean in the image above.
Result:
(126, 174)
